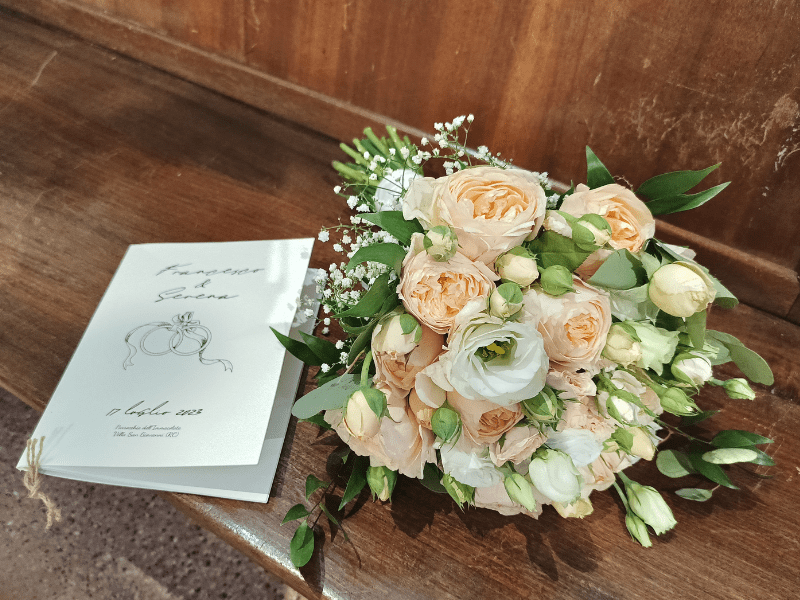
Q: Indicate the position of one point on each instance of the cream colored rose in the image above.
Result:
(434, 292)
(601, 474)
(398, 368)
(583, 414)
(573, 325)
(571, 384)
(483, 421)
(490, 209)
(631, 222)
(400, 444)
(681, 289)
(517, 445)
(496, 498)
(422, 411)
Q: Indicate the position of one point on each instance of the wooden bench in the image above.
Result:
(98, 151)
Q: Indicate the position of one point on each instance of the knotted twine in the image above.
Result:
(33, 480)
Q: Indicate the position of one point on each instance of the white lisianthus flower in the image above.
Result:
(554, 475)
(692, 368)
(657, 345)
(470, 464)
(580, 444)
(488, 358)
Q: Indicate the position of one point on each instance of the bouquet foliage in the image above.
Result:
(512, 345)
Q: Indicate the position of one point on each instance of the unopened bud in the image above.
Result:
(674, 400)
(517, 265)
(520, 491)
(739, 389)
(381, 481)
(506, 300)
(441, 242)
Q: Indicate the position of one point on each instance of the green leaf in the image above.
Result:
(362, 341)
(620, 271)
(681, 202)
(696, 494)
(596, 173)
(694, 419)
(319, 420)
(751, 364)
(555, 249)
(371, 302)
(324, 350)
(706, 469)
(376, 400)
(328, 514)
(391, 255)
(302, 545)
(298, 349)
(762, 458)
(408, 323)
(724, 297)
(696, 327)
(674, 463)
(314, 483)
(432, 478)
(393, 222)
(729, 456)
(672, 184)
(357, 481)
(737, 438)
(330, 396)
(352, 326)
(298, 511)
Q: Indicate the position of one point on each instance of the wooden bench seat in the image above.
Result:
(98, 152)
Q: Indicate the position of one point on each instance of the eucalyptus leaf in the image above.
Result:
(298, 349)
(696, 494)
(596, 173)
(620, 271)
(674, 463)
(696, 327)
(372, 301)
(737, 438)
(751, 364)
(555, 249)
(357, 481)
(330, 396)
(729, 456)
(314, 483)
(391, 255)
(393, 222)
(301, 548)
(298, 511)
(324, 350)
(671, 184)
(680, 202)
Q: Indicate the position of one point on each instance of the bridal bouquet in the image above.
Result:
(511, 344)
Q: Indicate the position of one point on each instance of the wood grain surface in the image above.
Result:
(651, 86)
(98, 152)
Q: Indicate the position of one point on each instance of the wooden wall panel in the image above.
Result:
(651, 86)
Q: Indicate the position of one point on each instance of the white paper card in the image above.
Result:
(178, 367)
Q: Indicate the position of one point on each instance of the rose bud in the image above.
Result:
(517, 265)
(591, 229)
(638, 530)
(649, 506)
(674, 400)
(381, 481)
(545, 406)
(520, 491)
(691, 368)
(506, 300)
(681, 289)
(359, 419)
(557, 280)
(621, 347)
(398, 333)
(642, 445)
(460, 492)
(739, 389)
(554, 475)
(441, 242)
(582, 507)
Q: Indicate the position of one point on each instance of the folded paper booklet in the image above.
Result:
(178, 382)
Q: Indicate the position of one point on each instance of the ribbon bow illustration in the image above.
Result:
(182, 327)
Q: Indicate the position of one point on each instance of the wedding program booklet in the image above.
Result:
(178, 383)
